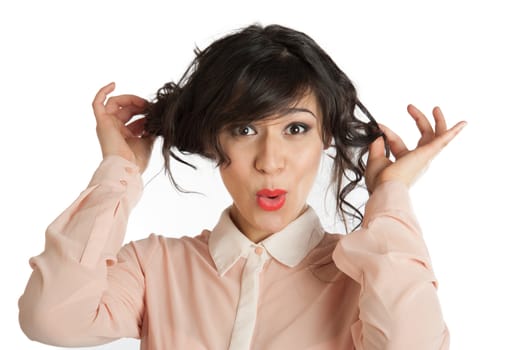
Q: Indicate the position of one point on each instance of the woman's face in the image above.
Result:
(274, 162)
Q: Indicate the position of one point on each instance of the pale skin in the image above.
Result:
(265, 155)
(279, 152)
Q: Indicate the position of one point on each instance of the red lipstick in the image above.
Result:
(271, 200)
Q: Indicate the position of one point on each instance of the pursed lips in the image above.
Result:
(271, 199)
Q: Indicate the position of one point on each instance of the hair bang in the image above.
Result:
(267, 88)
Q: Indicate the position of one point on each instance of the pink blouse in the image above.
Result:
(301, 288)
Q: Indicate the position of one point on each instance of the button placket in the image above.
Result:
(248, 300)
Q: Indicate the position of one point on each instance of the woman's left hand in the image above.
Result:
(408, 164)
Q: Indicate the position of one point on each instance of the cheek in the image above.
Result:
(309, 161)
(229, 171)
(306, 171)
(233, 176)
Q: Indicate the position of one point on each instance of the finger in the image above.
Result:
(117, 102)
(376, 161)
(98, 102)
(124, 107)
(376, 149)
(421, 122)
(434, 147)
(440, 121)
(137, 127)
(396, 144)
(126, 113)
(451, 133)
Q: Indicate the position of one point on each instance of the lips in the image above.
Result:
(271, 200)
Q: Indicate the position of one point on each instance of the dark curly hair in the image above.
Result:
(251, 74)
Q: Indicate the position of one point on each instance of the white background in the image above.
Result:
(468, 57)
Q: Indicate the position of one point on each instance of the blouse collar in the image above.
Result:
(288, 246)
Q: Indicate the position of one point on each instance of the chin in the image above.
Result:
(271, 229)
(275, 221)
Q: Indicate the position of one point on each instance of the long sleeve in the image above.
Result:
(398, 304)
(82, 291)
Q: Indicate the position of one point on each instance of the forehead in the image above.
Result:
(264, 110)
(309, 101)
(307, 104)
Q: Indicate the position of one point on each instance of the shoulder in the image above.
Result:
(155, 246)
(320, 260)
(323, 251)
(330, 240)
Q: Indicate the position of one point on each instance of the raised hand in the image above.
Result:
(116, 135)
(408, 164)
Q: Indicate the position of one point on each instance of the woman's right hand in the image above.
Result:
(116, 137)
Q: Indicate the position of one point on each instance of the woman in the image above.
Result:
(264, 103)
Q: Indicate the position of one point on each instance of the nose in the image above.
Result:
(270, 156)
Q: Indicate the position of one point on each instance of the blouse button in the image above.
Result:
(123, 182)
(258, 250)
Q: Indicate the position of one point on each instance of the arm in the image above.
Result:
(398, 304)
(81, 292)
(399, 307)
(77, 293)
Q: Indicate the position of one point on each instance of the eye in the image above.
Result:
(296, 128)
(245, 130)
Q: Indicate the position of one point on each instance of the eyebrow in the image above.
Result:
(292, 110)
